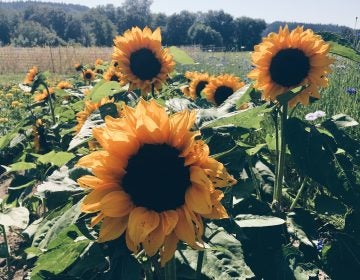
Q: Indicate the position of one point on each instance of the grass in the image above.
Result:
(344, 51)
(180, 56)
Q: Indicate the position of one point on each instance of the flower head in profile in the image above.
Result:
(89, 108)
(112, 74)
(142, 60)
(88, 75)
(221, 87)
(64, 85)
(78, 66)
(98, 62)
(153, 181)
(31, 75)
(197, 84)
(286, 60)
(43, 95)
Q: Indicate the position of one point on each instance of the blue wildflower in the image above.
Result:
(351, 91)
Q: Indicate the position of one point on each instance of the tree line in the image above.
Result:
(32, 23)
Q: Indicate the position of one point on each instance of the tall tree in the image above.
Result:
(248, 32)
(204, 35)
(222, 23)
(137, 13)
(177, 28)
(4, 30)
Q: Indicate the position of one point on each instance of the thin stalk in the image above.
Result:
(256, 182)
(170, 270)
(199, 264)
(281, 159)
(7, 252)
(50, 104)
(153, 90)
(302, 187)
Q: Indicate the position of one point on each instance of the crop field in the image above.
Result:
(182, 167)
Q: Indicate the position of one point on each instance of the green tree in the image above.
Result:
(4, 30)
(204, 35)
(136, 13)
(248, 32)
(177, 28)
(222, 23)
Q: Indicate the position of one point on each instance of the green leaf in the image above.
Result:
(56, 158)
(85, 133)
(62, 256)
(21, 166)
(248, 119)
(343, 121)
(253, 151)
(180, 56)
(287, 96)
(103, 89)
(15, 217)
(249, 221)
(223, 260)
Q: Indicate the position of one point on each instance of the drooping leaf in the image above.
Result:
(105, 89)
(223, 260)
(21, 166)
(56, 158)
(15, 217)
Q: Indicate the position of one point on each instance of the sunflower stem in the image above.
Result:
(281, 161)
(302, 187)
(50, 103)
(153, 90)
(199, 264)
(170, 270)
(7, 252)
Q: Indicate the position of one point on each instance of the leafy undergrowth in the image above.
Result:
(318, 239)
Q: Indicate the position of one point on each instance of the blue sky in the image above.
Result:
(342, 12)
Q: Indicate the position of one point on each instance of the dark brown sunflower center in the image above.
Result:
(88, 76)
(156, 178)
(221, 94)
(114, 78)
(144, 64)
(289, 67)
(200, 86)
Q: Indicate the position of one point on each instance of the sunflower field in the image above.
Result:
(163, 163)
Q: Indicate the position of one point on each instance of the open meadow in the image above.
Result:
(161, 164)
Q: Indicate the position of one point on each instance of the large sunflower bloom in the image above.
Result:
(221, 87)
(142, 60)
(112, 74)
(31, 75)
(286, 60)
(197, 84)
(153, 181)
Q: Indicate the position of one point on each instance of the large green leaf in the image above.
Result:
(104, 89)
(62, 255)
(248, 119)
(21, 166)
(15, 217)
(223, 260)
(56, 158)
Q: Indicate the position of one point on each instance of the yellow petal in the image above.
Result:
(141, 222)
(184, 229)
(91, 203)
(112, 228)
(116, 204)
(168, 251)
(154, 241)
(198, 199)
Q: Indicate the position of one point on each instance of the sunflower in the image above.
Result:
(286, 60)
(221, 87)
(112, 74)
(64, 85)
(153, 182)
(43, 95)
(88, 75)
(90, 107)
(31, 75)
(99, 61)
(142, 60)
(190, 75)
(197, 84)
(78, 66)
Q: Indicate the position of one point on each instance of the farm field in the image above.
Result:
(271, 191)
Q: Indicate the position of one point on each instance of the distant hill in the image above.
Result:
(20, 6)
(333, 28)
